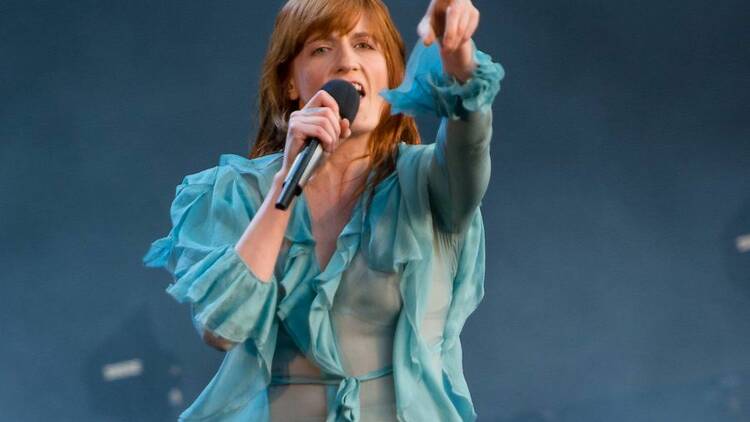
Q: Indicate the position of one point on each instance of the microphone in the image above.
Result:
(347, 98)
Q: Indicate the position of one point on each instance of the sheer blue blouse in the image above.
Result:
(423, 227)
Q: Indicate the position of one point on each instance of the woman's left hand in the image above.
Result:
(452, 23)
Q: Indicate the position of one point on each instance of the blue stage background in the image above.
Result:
(618, 277)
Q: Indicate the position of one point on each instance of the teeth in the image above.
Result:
(359, 87)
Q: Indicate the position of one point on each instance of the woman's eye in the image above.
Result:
(320, 50)
(364, 45)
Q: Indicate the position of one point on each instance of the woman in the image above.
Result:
(348, 306)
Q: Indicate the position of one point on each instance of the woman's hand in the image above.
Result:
(319, 118)
(452, 23)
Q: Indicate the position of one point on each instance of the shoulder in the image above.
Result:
(232, 168)
(234, 183)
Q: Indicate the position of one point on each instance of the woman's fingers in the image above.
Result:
(313, 130)
(318, 118)
(469, 23)
(452, 22)
(322, 125)
(462, 20)
(473, 24)
(323, 99)
(432, 24)
(425, 32)
(346, 130)
(311, 122)
(332, 121)
(453, 15)
(463, 32)
(323, 102)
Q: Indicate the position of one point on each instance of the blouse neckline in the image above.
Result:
(304, 218)
(299, 230)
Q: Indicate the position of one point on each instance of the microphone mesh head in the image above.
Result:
(346, 97)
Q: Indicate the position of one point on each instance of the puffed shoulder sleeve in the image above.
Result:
(210, 211)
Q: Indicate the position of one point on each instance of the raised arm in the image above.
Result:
(460, 168)
(452, 79)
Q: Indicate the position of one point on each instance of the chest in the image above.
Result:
(328, 219)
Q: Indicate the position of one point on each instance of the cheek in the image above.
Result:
(380, 82)
(308, 82)
(310, 85)
(383, 74)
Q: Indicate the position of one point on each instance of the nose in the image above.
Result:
(346, 60)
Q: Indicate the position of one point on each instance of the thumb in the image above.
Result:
(424, 30)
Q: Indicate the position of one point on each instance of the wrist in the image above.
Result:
(278, 184)
(460, 63)
(463, 76)
(278, 178)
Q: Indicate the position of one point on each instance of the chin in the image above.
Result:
(367, 121)
(363, 126)
(359, 131)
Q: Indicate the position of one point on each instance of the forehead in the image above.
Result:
(362, 27)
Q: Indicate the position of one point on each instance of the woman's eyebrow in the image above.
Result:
(331, 37)
(362, 35)
(318, 37)
(366, 35)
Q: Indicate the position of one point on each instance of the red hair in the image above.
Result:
(298, 20)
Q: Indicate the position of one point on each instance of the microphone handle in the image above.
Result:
(300, 172)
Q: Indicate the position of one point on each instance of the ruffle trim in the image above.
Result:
(227, 296)
(306, 310)
(426, 88)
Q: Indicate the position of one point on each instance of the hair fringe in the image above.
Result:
(274, 106)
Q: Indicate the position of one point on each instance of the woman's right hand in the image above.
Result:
(319, 118)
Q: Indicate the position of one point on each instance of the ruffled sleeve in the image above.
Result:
(427, 89)
(209, 213)
(459, 171)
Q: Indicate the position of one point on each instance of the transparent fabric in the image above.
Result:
(375, 334)
(427, 89)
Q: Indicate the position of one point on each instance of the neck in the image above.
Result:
(343, 171)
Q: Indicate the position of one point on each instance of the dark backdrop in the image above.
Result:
(617, 286)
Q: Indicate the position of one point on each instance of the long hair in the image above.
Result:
(297, 20)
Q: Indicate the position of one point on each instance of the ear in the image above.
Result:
(292, 92)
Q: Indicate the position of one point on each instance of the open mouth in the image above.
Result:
(360, 89)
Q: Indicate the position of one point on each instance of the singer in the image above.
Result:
(348, 305)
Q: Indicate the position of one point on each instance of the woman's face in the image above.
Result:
(354, 57)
